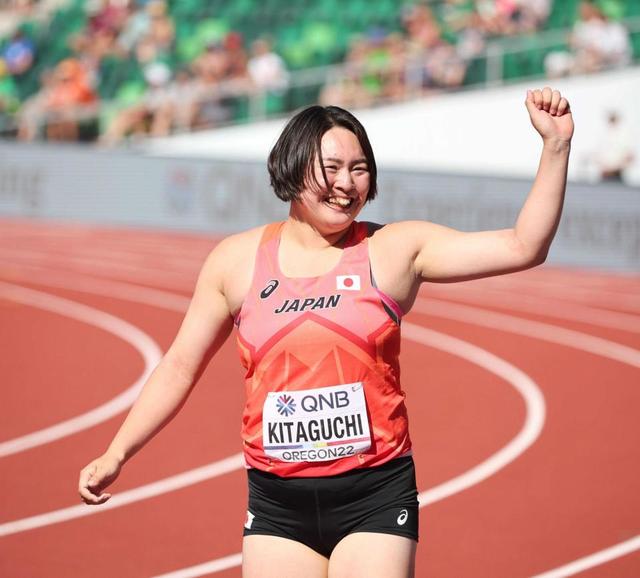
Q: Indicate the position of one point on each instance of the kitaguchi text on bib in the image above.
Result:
(316, 425)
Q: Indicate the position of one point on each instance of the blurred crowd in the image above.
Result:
(138, 34)
(432, 52)
(596, 43)
(433, 49)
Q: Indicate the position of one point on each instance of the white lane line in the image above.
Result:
(570, 293)
(157, 488)
(524, 385)
(137, 294)
(147, 348)
(533, 424)
(87, 284)
(183, 281)
(534, 329)
(534, 421)
(543, 306)
(83, 252)
(546, 306)
(477, 316)
(596, 559)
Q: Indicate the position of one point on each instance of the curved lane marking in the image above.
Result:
(596, 559)
(567, 292)
(508, 323)
(546, 306)
(172, 280)
(534, 329)
(147, 348)
(523, 384)
(503, 322)
(99, 286)
(170, 484)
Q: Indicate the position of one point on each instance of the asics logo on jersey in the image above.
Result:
(402, 518)
(270, 288)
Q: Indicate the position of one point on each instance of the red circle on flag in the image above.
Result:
(348, 282)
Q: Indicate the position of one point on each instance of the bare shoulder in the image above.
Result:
(237, 246)
(402, 238)
(392, 252)
(229, 266)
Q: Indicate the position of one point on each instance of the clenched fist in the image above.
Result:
(550, 115)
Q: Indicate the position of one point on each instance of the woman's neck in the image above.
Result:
(306, 235)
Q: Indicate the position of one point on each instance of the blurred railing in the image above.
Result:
(503, 60)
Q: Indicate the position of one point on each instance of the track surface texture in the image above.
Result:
(523, 394)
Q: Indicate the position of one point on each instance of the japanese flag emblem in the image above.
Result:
(348, 282)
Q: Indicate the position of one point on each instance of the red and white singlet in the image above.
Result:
(321, 358)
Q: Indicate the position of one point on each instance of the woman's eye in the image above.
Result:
(330, 168)
(360, 170)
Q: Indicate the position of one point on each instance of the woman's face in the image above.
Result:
(333, 208)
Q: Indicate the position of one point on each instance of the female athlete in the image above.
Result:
(317, 302)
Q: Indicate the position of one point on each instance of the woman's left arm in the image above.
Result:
(443, 254)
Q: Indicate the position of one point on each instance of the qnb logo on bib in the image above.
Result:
(285, 405)
(270, 288)
(316, 425)
(402, 518)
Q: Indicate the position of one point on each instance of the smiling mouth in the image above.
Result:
(341, 202)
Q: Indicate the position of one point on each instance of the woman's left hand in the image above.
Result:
(550, 115)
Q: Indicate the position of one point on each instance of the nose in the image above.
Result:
(344, 180)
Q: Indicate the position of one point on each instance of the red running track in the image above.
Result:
(525, 425)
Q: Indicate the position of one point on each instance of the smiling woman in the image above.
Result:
(317, 302)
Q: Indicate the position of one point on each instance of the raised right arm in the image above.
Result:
(205, 327)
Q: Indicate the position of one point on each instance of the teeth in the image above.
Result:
(342, 202)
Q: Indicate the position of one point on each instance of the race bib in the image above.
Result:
(316, 425)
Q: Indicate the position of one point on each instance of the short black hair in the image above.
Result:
(291, 159)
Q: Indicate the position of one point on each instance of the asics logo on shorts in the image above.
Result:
(402, 518)
(250, 518)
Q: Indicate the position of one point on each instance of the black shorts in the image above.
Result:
(320, 511)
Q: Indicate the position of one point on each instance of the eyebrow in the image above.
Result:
(336, 160)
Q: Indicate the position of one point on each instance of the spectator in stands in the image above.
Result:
(9, 99)
(421, 25)
(19, 54)
(237, 59)
(347, 90)
(597, 43)
(211, 69)
(614, 154)
(106, 16)
(32, 114)
(498, 17)
(395, 78)
(153, 115)
(266, 68)
(183, 101)
(269, 78)
(532, 14)
(161, 30)
(433, 62)
(65, 98)
(444, 68)
(136, 27)
(69, 100)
